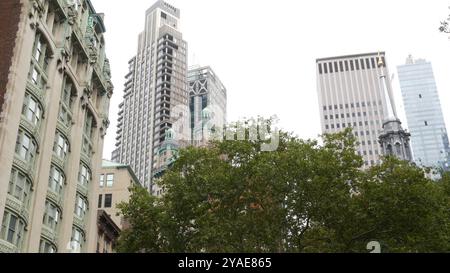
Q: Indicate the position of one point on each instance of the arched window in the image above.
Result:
(39, 62)
(32, 109)
(51, 216)
(398, 148)
(389, 149)
(19, 186)
(68, 94)
(61, 146)
(26, 147)
(13, 229)
(56, 180)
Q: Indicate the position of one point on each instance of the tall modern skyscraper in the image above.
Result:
(155, 97)
(207, 105)
(55, 90)
(351, 94)
(430, 142)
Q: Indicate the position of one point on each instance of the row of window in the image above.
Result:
(349, 125)
(109, 180)
(349, 65)
(107, 203)
(348, 115)
(352, 105)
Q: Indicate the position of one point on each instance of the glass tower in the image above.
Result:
(429, 139)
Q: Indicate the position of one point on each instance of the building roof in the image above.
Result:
(107, 164)
(350, 56)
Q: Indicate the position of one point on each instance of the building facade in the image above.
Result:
(55, 93)
(156, 97)
(108, 233)
(423, 110)
(351, 95)
(207, 104)
(113, 189)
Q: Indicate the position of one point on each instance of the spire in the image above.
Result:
(391, 114)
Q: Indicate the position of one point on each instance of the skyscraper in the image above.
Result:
(207, 105)
(55, 90)
(351, 95)
(429, 139)
(155, 96)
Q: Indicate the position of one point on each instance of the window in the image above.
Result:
(108, 200)
(109, 180)
(346, 65)
(100, 198)
(56, 180)
(46, 247)
(420, 96)
(19, 186)
(163, 15)
(102, 181)
(39, 63)
(13, 229)
(61, 146)
(51, 215)
(84, 175)
(65, 111)
(320, 68)
(80, 207)
(426, 123)
(31, 109)
(25, 146)
(77, 239)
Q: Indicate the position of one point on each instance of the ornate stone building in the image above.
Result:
(394, 141)
(55, 93)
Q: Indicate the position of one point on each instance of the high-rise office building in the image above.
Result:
(55, 90)
(207, 105)
(429, 139)
(156, 97)
(351, 94)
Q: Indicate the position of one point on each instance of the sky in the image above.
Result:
(265, 52)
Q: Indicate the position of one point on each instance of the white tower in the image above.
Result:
(393, 139)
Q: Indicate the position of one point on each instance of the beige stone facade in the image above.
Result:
(113, 189)
(53, 120)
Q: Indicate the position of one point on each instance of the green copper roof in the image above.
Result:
(110, 164)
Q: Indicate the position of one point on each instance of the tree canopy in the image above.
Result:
(304, 197)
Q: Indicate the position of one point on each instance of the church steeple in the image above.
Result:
(393, 139)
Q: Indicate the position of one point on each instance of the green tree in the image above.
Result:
(304, 197)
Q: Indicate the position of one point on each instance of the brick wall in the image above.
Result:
(9, 24)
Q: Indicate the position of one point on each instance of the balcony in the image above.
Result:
(6, 247)
(18, 207)
(83, 190)
(77, 221)
(49, 234)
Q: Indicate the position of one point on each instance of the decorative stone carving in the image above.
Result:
(104, 127)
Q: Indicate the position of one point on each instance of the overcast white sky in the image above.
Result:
(264, 51)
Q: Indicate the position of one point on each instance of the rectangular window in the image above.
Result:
(320, 68)
(102, 181)
(100, 197)
(373, 63)
(331, 67)
(341, 66)
(352, 66)
(357, 64)
(346, 65)
(108, 200)
(109, 180)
